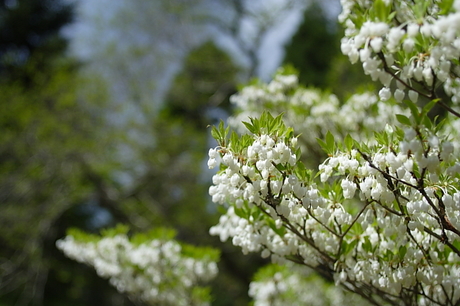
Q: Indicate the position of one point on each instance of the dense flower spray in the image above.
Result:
(380, 215)
(152, 268)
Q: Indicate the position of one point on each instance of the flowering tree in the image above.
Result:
(381, 215)
(363, 192)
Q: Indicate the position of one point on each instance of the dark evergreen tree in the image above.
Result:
(207, 80)
(313, 47)
(29, 32)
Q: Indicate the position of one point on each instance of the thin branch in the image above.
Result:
(440, 238)
(386, 175)
(432, 96)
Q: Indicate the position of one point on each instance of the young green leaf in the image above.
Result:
(403, 120)
(348, 142)
(330, 142)
(414, 111)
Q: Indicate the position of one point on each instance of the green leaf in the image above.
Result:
(117, 230)
(244, 142)
(427, 121)
(445, 6)
(439, 125)
(357, 229)
(391, 16)
(348, 247)
(304, 174)
(81, 236)
(403, 120)
(381, 138)
(380, 9)
(348, 142)
(414, 111)
(402, 252)
(280, 167)
(234, 142)
(220, 133)
(206, 253)
(215, 133)
(289, 133)
(240, 212)
(420, 9)
(427, 108)
(201, 294)
(273, 126)
(160, 233)
(358, 20)
(323, 145)
(280, 231)
(330, 142)
(250, 127)
(367, 245)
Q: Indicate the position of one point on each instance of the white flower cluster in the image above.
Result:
(385, 218)
(403, 193)
(385, 224)
(417, 45)
(313, 113)
(256, 181)
(266, 199)
(155, 271)
(294, 287)
(382, 215)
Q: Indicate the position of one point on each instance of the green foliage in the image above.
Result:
(328, 144)
(306, 175)
(159, 233)
(445, 7)
(47, 135)
(313, 47)
(268, 271)
(200, 253)
(380, 11)
(138, 238)
(420, 116)
(206, 81)
(269, 125)
(220, 133)
(420, 9)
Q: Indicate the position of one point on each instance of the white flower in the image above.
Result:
(212, 162)
(385, 93)
(212, 153)
(376, 44)
(413, 96)
(364, 54)
(412, 29)
(408, 45)
(399, 95)
(349, 188)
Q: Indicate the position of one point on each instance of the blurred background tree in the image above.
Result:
(48, 130)
(117, 131)
(29, 33)
(314, 51)
(313, 47)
